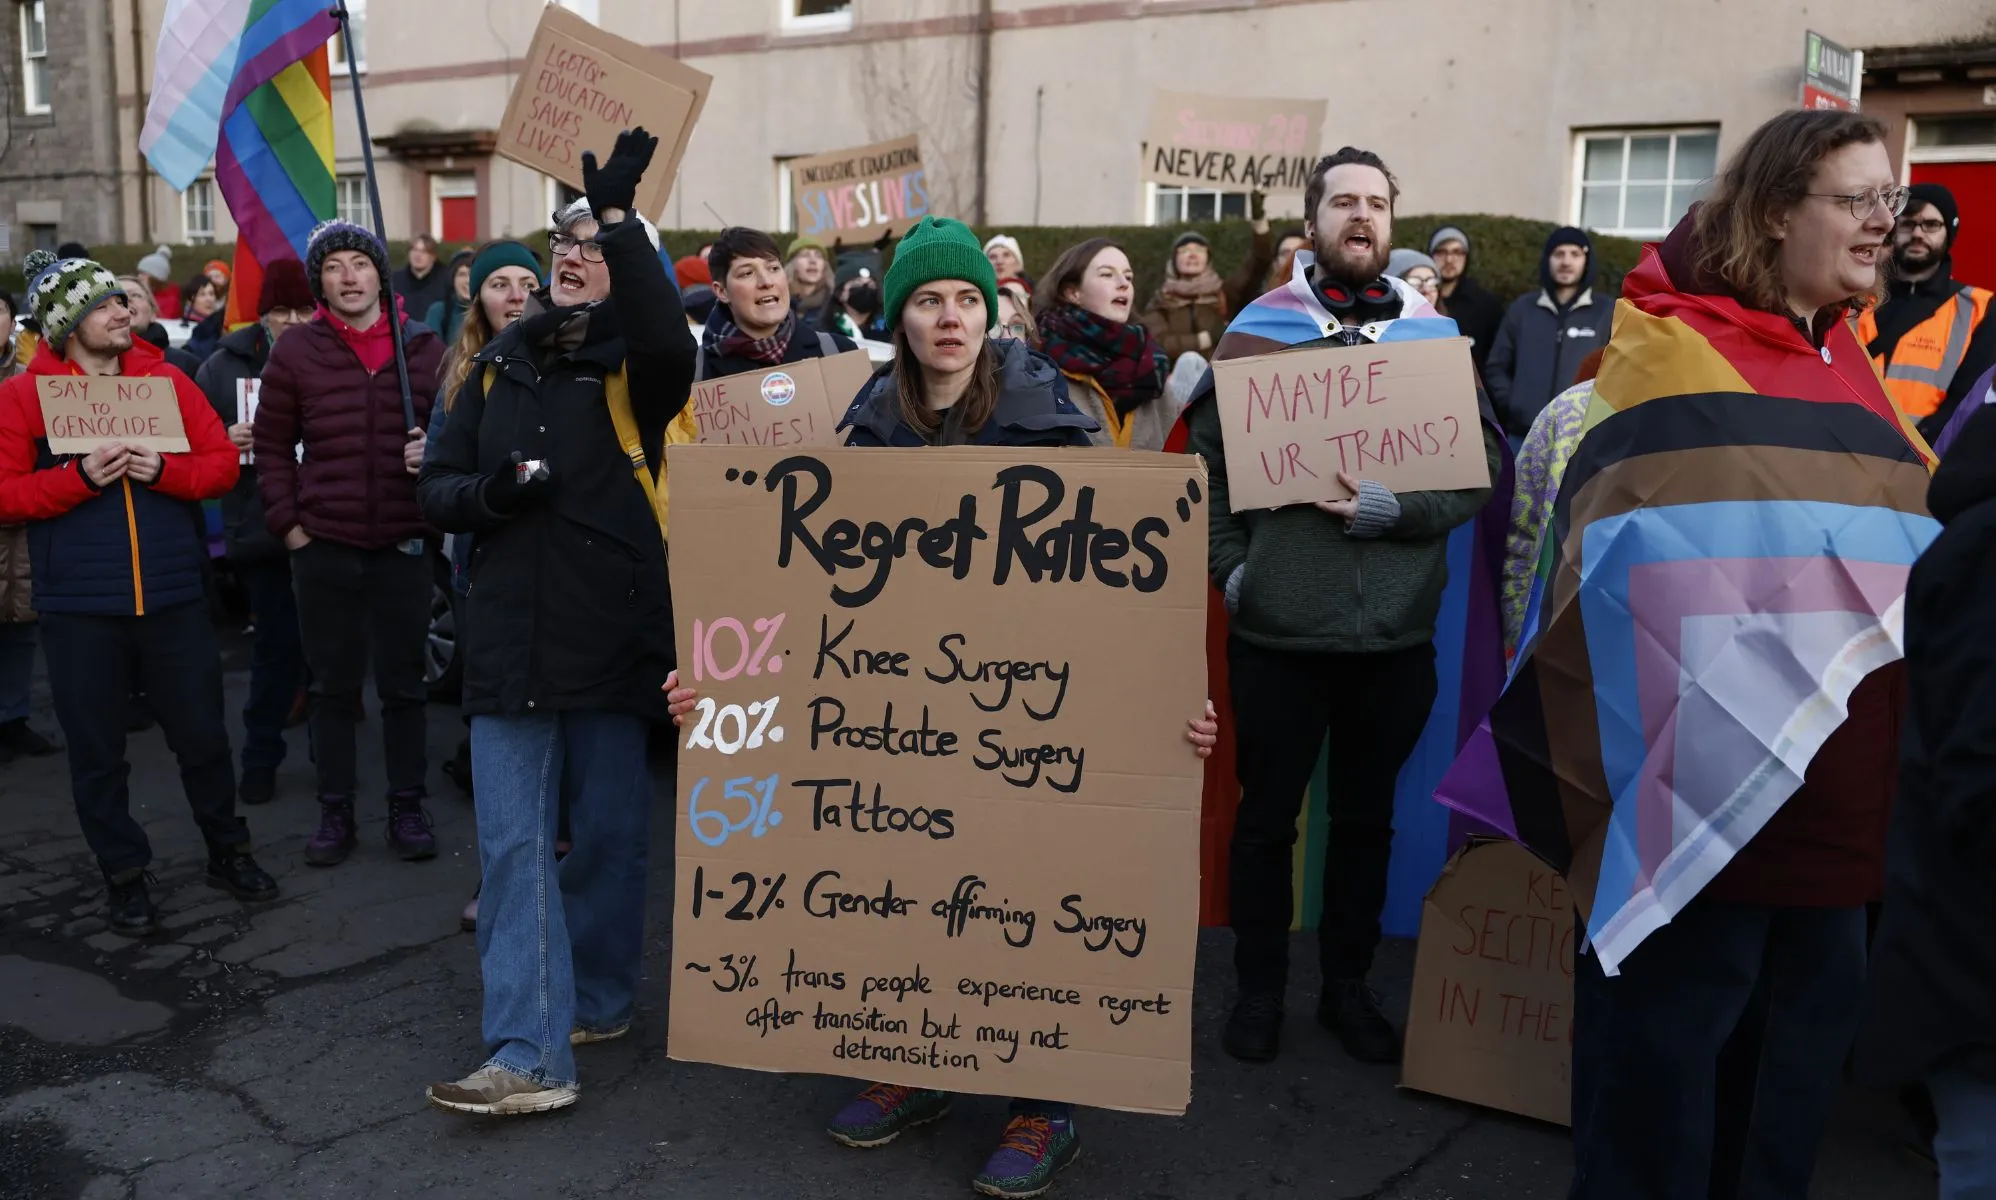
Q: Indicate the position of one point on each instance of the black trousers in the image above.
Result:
(1372, 707)
(95, 663)
(350, 602)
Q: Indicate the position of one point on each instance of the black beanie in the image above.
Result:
(1566, 235)
(1940, 198)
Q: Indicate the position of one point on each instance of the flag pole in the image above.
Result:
(340, 14)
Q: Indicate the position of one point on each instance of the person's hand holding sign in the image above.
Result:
(612, 187)
(678, 700)
(1369, 511)
(1204, 732)
(106, 464)
(143, 464)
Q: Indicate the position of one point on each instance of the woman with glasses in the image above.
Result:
(1015, 314)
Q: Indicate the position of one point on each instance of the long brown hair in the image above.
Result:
(472, 335)
(1066, 272)
(1768, 175)
(978, 402)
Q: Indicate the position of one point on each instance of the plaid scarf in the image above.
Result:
(1124, 359)
(729, 341)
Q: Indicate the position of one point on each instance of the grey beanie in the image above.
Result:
(158, 264)
(1448, 233)
(1404, 260)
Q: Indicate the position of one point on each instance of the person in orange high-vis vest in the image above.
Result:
(1931, 337)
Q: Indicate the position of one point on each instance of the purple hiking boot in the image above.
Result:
(334, 840)
(409, 826)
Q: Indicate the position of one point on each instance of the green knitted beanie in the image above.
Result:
(803, 242)
(61, 292)
(939, 248)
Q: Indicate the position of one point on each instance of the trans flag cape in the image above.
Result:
(1469, 653)
(1726, 561)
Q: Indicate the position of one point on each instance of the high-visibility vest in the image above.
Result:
(1926, 358)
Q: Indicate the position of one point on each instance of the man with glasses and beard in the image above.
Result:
(1333, 632)
(1932, 336)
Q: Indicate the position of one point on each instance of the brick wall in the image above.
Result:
(60, 168)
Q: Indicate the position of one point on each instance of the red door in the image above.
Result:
(460, 218)
(1974, 188)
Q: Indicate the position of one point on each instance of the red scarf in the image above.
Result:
(374, 346)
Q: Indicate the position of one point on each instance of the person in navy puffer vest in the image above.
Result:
(119, 555)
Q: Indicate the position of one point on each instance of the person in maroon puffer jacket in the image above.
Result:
(337, 461)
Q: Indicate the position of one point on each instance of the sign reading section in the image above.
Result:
(82, 412)
(1233, 143)
(938, 819)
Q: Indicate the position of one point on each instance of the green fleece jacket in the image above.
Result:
(1296, 580)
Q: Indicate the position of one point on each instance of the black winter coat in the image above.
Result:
(239, 356)
(1033, 408)
(1932, 990)
(568, 606)
(419, 294)
(1478, 314)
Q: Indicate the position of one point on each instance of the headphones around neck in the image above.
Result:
(1339, 298)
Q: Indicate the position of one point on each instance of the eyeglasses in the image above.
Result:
(294, 316)
(1016, 329)
(1933, 227)
(1861, 203)
(559, 244)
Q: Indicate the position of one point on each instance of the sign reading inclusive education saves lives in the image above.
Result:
(858, 195)
(938, 819)
(1232, 143)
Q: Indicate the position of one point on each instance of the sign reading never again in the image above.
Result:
(1232, 143)
(938, 820)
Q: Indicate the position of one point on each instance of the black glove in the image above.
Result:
(614, 184)
(1257, 205)
(511, 488)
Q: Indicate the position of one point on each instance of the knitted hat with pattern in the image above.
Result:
(331, 237)
(62, 291)
(939, 248)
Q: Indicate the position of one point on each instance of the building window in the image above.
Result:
(43, 237)
(337, 49)
(34, 57)
(350, 201)
(1953, 139)
(816, 16)
(1170, 205)
(197, 212)
(586, 9)
(1640, 183)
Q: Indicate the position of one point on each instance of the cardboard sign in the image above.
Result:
(795, 404)
(938, 820)
(1403, 413)
(246, 393)
(1490, 1020)
(82, 412)
(579, 87)
(858, 195)
(1232, 143)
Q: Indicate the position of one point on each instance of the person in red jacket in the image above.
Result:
(118, 557)
(336, 458)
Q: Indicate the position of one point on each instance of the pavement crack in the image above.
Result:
(1390, 1186)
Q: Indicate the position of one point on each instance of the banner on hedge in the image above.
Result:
(1231, 143)
(938, 820)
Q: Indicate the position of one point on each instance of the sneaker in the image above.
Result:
(1254, 1031)
(330, 846)
(1350, 1009)
(128, 906)
(579, 1036)
(19, 741)
(468, 919)
(409, 826)
(233, 870)
(259, 785)
(883, 1111)
(1032, 1152)
(496, 1092)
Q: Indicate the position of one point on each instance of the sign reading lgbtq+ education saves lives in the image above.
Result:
(938, 820)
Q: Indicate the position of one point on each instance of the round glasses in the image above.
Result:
(1862, 203)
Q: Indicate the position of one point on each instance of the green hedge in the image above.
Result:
(1504, 251)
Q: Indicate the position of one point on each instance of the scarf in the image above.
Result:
(729, 341)
(1125, 360)
(1204, 288)
(554, 329)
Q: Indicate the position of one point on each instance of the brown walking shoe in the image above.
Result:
(496, 1092)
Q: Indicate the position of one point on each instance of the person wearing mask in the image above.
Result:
(1932, 975)
(754, 326)
(1007, 260)
(1546, 333)
(1475, 309)
(953, 385)
(419, 283)
(445, 316)
(347, 514)
(17, 609)
(855, 311)
(810, 275)
(1417, 271)
(553, 458)
(277, 661)
(107, 625)
(155, 271)
(1114, 364)
(1015, 314)
(1933, 335)
(1334, 608)
(1709, 1061)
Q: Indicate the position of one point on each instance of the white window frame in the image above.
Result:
(353, 208)
(1972, 152)
(1151, 192)
(791, 22)
(588, 10)
(336, 51)
(786, 200)
(197, 212)
(1579, 174)
(34, 100)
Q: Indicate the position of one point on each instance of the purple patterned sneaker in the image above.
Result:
(409, 826)
(879, 1114)
(1032, 1152)
(334, 840)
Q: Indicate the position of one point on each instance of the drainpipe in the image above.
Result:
(138, 125)
(983, 107)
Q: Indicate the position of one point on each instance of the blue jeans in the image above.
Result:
(17, 670)
(1965, 1101)
(277, 661)
(559, 946)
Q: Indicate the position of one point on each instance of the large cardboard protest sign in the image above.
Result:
(580, 86)
(82, 412)
(860, 194)
(1232, 143)
(1491, 1016)
(1402, 413)
(938, 820)
(795, 404)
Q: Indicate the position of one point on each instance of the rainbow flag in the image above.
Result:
(1726, 561)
